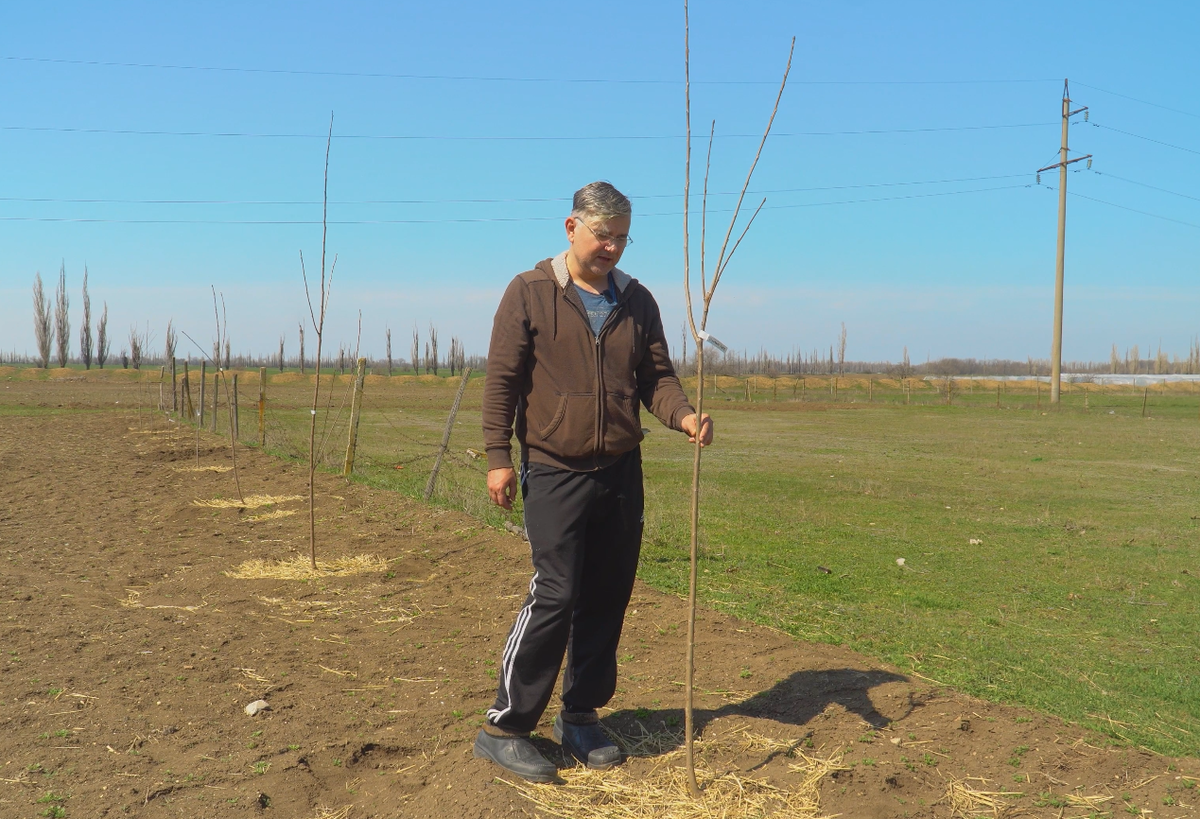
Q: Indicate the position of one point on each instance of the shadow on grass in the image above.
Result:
(795, 700)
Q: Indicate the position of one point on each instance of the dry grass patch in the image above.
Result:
(330, 813)
(662, 792)
(249, 502)
(300, 568)
(202, 468)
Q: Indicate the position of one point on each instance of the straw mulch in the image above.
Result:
(662, 792)
(967, 803)
(278, 513)
(202, 468)
(300, 568)
(249, 502)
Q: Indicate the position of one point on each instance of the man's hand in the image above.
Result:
(689, 425)
(502, 486)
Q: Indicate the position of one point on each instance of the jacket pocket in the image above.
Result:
(623, 427)
(571, 432)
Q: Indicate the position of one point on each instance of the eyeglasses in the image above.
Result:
(606, 239)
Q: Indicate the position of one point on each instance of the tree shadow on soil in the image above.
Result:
(795, 700)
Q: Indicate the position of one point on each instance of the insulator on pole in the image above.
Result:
(1089, 164)
(1085, 114)
(1039, 179)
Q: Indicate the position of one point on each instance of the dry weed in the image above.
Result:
(968, 803)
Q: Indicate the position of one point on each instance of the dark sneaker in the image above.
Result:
(516, 755)
(587, 743)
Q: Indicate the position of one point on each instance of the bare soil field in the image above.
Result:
(133, 635)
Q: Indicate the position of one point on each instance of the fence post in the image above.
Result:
(1145, 398)
(871, 391)
(997, 395)
(234, 399)
(202, 380)
(187, 387)
(162, 376)
(437, 464)
(216, 396)
(355, 412)
(174, 390)
(262, 406)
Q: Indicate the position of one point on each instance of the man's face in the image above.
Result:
(597, 244)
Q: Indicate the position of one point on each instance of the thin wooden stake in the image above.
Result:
(203, 379)
(1145, 398)
(216, 395)
(174, 388)
(355, 412)
(237, 426)
(437, 463)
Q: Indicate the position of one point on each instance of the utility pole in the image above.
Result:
(1063, 162)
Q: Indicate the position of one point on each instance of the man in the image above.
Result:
(576, 346)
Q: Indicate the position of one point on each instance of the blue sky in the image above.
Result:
(899, 183)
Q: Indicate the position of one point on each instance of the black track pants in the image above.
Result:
(585, 532)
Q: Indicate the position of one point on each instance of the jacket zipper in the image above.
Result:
(599, 368)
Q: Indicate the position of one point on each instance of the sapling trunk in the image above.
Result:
(318, 319)
(699, 336)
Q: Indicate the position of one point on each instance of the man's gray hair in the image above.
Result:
(600, 200)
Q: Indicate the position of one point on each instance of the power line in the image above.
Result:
(1143, 102)
(1146, 138)
(1144, 185)
(443, 138)
(540, 200)
(481, 78)
(504, 219)
(1125, 207)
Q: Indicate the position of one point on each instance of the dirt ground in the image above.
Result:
(128, 655)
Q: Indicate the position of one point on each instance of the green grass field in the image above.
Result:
(1050, 557)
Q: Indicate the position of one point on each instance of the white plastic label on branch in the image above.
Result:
(711, 340)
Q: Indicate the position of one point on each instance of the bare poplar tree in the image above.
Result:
(426, 358)
(135, 348)
(433, 347)
(42, 327)
(228, 352)
(341, 360)
(62, 319)
(389, 350)
(170, 343)
(281, 338)
(416, 350)
(301, 348)
(85, 331)
(102, 339)
(1114, 361)
(842, 351)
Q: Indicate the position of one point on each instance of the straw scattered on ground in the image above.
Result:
(300, 568)
(662, 793)
(329, 813)
(967, 803)
(249, 502)
(202, 468)
(278, 513)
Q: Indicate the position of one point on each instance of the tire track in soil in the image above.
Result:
(128, 655)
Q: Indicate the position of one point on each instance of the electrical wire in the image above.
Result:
(46, 199)
(1135, 99)
(285, 222)
(1144, 185)
(1125, 207)
(443, 138)
(480, 78)
(1146, 138)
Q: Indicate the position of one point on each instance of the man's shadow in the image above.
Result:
(794, 700)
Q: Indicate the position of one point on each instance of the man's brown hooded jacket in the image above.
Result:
(573, 397)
